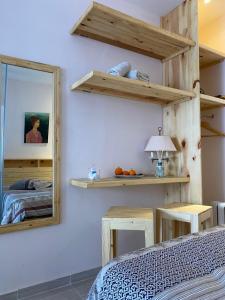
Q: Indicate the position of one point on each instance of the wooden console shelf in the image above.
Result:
(117, 182)
(110, 26)
(209, 56)
(209, 102)
(106, 84)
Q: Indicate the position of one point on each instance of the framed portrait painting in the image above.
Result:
(36, 128)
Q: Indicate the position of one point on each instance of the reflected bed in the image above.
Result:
(20, 205)
(25, 199)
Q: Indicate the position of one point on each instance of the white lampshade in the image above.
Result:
(160, 143)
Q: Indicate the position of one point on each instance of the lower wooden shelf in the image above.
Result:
(209, 102)
(117, 182)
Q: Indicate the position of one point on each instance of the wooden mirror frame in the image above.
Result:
(55, 219)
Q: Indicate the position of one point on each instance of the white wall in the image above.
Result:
(26, 96)
(213, 34)
(96, 129)
(213, 149)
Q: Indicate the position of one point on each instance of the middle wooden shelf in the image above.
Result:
(117, 86)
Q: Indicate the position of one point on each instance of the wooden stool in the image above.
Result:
(194, 214)
(125, 218)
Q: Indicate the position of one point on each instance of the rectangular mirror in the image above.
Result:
(29, 147)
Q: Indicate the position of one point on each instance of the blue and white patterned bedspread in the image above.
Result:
(191, 267)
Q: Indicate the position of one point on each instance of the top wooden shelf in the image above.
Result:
(118, 29)
(209, 56)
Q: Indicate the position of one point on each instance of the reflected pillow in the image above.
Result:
(21, 184)
(37, 184)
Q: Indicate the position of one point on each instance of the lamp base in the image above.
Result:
(159, 169)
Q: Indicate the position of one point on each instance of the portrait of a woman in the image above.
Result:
(34, 135)
(36, 128)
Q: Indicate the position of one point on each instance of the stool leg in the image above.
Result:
(195, 224)
(170, 229)
(113, 235)
(106, 242)
(149, 234)
(203, 225)
(176, 229)
(157, 225)
(160, 228)
(209, 222)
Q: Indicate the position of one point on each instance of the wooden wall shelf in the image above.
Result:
(119, 182)
(102, 83)
(110, 26)
(209, 56)
(209, 102)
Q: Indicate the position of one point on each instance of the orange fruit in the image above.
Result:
(118, 171)
(132, 172)
(126, 173)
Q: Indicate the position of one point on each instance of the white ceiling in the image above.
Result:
(211, 11)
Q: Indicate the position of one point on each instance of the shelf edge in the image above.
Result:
(140, 83)
(175, 37)
(84, 183)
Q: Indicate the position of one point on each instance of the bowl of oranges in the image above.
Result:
(121, 173)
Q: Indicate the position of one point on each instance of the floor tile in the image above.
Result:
(65, 293)
(84, 286)
(77, 291)
(11, 296)
(85, 275)
(44, 287)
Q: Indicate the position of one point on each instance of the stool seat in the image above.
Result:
(194, 214)
(122, 212)
(184, 210)
(125, 218)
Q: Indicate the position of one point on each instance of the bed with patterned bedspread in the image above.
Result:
(188, 268)
(20, 205)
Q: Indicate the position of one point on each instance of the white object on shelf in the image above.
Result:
(92, 175)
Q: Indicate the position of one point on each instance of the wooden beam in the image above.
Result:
(182, 120)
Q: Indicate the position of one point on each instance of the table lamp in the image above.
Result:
(159, 147)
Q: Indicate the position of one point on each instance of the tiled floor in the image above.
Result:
(76, 291)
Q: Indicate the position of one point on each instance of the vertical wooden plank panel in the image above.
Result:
(182, 121)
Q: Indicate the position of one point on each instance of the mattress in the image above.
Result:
(191, 267)
(19, 205)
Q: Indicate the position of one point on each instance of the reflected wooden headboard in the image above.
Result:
(16, 169)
